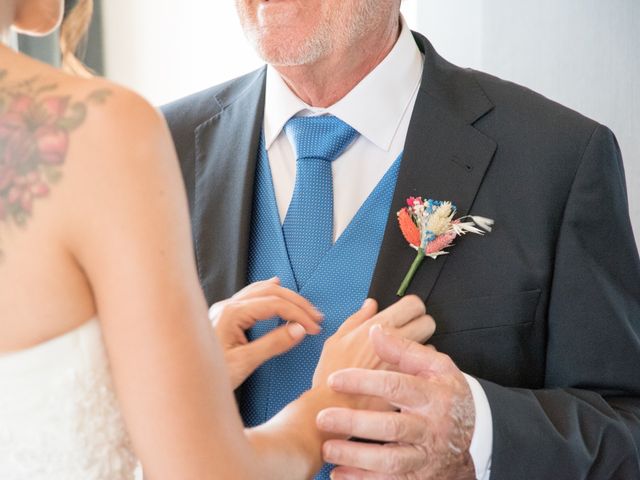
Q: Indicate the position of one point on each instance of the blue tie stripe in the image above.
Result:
(308, 225)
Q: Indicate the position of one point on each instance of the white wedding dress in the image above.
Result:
(59, 417)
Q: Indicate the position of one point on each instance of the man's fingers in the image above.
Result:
(370, 425)
(401, 312)
(274, 343)
(350, 473)
(368, 310)
(397, 388)
(389, 459)
(407, 356)
(418, 330)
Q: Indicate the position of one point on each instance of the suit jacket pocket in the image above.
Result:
(477, 313)
(495, 338)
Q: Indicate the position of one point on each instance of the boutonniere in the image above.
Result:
(429, 227)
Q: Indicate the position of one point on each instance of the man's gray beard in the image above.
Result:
(322, 41)
(304, 53)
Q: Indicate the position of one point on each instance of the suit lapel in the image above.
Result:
(445, 158)
(226, 154)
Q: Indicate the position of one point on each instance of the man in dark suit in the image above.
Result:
(542, 315)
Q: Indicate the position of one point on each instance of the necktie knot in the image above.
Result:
(322, 137)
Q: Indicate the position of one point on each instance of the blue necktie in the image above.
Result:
(308, 226)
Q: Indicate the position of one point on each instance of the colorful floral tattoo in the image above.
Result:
(35, 127)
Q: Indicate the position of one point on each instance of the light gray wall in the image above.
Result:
(582, 53)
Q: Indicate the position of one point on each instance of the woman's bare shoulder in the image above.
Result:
(43, 96)
(117, 114)
(55, 126)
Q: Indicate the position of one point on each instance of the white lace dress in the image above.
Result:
(59, 417)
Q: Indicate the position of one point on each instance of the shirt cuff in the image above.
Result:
(482, 441)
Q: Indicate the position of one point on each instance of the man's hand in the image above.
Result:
(428, 439)
(260, 301)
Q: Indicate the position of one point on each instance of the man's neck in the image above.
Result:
(328, 80)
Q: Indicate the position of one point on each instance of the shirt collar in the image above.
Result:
(386, 91)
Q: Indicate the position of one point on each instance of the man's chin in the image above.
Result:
(285, 52)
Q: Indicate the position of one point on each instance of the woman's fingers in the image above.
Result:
(373, 425)
(246, 313)
(401, 312)
(390, 459)
(256, 286)
(270, 288)
(418, 330)
(367, 311)
(274, 343)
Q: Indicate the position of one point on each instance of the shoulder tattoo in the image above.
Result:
(35, 128)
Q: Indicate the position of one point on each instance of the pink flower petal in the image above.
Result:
(53, 143)
(440, 243)
(39, 190)
(55, 107)
(21, 104)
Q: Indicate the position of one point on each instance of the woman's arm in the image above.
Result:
(128, 229)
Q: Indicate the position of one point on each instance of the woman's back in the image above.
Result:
(59, 415)
(95, 226)
(43, 114)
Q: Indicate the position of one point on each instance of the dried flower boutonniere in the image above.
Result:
(429, 227)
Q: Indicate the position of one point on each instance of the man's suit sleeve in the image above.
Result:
(586, 422)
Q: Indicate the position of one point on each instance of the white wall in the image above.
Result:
(166, 49)
(582, 53)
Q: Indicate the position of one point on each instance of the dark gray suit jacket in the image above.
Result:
(544, 311)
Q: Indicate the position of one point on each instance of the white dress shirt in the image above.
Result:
(380, 109)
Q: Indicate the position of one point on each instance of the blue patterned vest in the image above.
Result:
(337, 288)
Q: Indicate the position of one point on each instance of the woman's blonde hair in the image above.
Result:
(72, 35)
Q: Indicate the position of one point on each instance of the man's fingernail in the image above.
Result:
(367, 302)
(328, 452)
(377, 328)
(296, 330)
(335, 381)
(325, 421)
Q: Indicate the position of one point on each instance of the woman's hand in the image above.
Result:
(289, 438)
(260, 301)
(350, 346)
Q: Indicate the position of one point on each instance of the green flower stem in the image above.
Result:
(412, 271)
